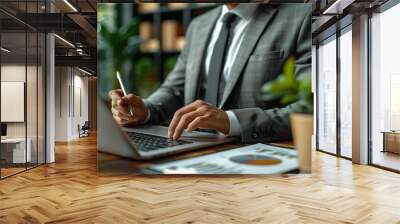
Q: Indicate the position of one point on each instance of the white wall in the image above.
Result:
(71, 94)
(61, 103)
(80, 84)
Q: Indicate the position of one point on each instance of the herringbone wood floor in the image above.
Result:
(70, 191)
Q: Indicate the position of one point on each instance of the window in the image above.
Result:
(335, 108)
(326, 103)
(385, 88)
(346, 92)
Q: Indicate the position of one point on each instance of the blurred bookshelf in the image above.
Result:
(162, 27)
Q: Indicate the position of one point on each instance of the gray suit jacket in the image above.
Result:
(275, 33)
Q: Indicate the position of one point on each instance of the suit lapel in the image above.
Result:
(199, 40)
(255, 28)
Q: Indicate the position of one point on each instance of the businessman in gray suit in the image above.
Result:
(230, 52)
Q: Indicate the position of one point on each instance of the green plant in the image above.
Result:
(169, 64)
(288, 88)
(145, 76)
(121, 42)
(117, 43)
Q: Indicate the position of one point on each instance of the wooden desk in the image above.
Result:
(14, 152)
(108, 164)
(391, 141)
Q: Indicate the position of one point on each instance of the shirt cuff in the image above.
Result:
(234, 125)
(148, 116)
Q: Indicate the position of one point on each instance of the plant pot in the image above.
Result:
(302, 130)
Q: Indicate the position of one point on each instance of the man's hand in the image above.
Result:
(121, 106)
(198, 115)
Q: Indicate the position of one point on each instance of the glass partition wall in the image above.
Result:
(334, 89)
(22, 77)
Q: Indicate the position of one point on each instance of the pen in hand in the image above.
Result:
(123, 88)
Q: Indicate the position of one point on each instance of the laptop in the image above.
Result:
(147, 141)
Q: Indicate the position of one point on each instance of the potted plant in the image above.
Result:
(288, 88)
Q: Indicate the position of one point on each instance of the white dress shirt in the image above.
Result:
(245, 13)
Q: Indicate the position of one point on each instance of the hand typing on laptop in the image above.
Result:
(198, 114)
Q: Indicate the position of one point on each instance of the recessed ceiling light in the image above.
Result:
(70, 5)
(84, 71)
(338, 6)
(64, 40)
(5, 50)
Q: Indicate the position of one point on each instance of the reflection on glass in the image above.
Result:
(14, 146)
(385, 84)
(22, 91)
(327, 96)
(346, 94)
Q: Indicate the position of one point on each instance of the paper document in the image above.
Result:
(253, 159)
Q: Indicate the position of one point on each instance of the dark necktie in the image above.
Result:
(215, 72)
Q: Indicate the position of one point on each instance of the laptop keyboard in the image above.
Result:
(145, 142)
